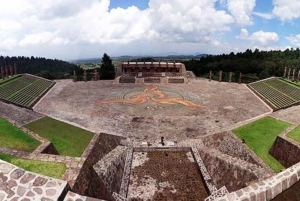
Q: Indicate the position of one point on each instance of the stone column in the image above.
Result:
(6, 70)
(230, 77)
(240, 78)
(74, 76)
(293, 78)
(289, 73)
(15, 67)
(284, 75)
(84, 75)
(2, 73)
(96, 75)
(11, 70)
(298, 74)
(220, 76)
(210, 75)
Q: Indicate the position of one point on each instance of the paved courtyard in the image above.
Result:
(145, 112)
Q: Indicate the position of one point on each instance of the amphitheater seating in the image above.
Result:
(24, 90)
(277, 93)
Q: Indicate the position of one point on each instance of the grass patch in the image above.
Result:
(55, 170)
(67, 139)
(260, 136)
(291, 83)
(14, 138)
(295, 134)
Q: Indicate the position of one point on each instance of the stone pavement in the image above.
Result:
(17, 184)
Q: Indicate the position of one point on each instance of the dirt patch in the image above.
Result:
(166, 176)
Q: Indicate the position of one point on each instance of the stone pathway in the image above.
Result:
(17, 184)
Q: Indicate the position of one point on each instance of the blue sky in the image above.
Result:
(73, 29)
(141, 4)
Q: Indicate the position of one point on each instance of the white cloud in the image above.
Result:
(264, 38)
(241, 11)
(266, 16)
(43, 38)
(286, 10)
(38, 27)
(295, 40)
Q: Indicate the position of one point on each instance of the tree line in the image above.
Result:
(47, 68)
(254, 65)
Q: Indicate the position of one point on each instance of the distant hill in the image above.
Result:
(140, 58)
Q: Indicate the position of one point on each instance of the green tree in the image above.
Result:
(107, 70)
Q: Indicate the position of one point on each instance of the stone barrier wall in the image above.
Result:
(102, 145)
(229, 144)
(88, 182)
(268, 189)
(176, 80)
(231, 172)
(126, 174)
(111, 167)
(151, 80)
(127, 79)
(285, 151)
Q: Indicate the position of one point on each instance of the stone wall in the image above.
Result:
(285, 151)
(229, 144)
(151, 80)
(127, 79)
(268, 189)
(111, 167)
(176, 80)
(228, 171)
(88, 182)
(103, 144)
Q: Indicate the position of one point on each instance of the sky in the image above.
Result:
(77, 29)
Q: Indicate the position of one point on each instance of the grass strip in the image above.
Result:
(295, 134)
(50, 169)
(14, 138)
(67, 139)
(260, 136)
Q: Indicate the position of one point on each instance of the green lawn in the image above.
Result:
(67, 139)
(14, 138)
(295, 134)
(260, 136)
(55, 170)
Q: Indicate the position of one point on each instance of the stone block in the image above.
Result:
(261, 196)
(277, 189)
(293, 179)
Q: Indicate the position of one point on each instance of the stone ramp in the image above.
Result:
(18, 184)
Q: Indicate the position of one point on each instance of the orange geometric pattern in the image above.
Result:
(152, 93)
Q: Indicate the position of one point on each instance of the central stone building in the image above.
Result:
(151, 72)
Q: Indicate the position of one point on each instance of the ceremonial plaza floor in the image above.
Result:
(145, 112)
